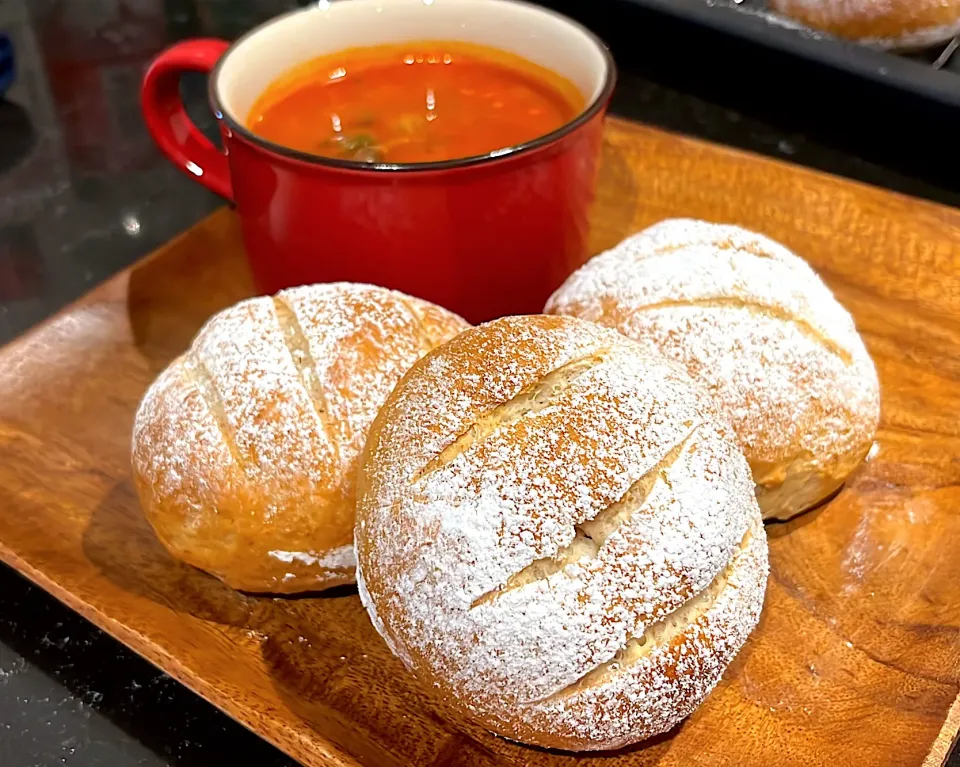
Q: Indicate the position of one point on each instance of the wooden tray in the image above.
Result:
(856, 660)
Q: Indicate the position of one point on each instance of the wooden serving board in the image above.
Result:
(857, 657)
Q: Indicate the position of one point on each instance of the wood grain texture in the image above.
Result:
(857, 657)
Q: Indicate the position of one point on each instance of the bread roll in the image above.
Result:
(895, 24)
(558, 533)
(756, 326)
(245, 448)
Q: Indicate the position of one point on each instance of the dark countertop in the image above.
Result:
(83, 193)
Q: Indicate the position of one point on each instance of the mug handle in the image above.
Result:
(167, 120)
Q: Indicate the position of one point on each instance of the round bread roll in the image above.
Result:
(558, 533)
(756, 326)
(245, 448)
(892, 24)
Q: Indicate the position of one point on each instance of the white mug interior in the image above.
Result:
(537, 34)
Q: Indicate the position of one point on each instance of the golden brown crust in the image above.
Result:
(245, 448)
(535, 497)
(885, 23)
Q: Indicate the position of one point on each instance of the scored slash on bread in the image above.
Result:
(530, 400)
(558, 533)
(756, 326)
(245, 448)
(592, 533)
(661, 676)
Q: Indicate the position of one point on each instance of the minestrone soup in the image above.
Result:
(415, 102)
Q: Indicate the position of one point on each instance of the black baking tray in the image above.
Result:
(919, 73)
(933, 74)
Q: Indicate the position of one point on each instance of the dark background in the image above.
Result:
(84, 193)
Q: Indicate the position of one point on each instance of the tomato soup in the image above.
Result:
(415, 102)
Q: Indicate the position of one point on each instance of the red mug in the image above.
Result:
(484, 236)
